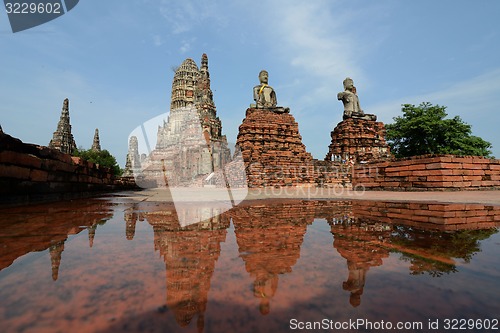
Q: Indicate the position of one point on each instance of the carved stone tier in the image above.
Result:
(363, 140)
(272, 149)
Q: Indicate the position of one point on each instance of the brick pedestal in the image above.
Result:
(363, 140)
(272, 150)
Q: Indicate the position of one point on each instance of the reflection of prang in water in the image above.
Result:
(190, 254)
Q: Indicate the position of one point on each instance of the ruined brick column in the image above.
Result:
(361, 139)
(272, 149)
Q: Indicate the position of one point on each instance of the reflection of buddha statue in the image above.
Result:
(352, 109)
(263, 94)
(355, 282)
(264, 288)
(360, 246)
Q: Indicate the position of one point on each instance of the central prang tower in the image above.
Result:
(190, 145)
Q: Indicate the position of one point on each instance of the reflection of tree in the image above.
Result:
(420, 265)
(462, 244)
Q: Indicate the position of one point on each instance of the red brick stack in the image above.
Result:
(427, 172)
(363, 140)
(272, 150)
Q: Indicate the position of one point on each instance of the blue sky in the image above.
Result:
(113, 59)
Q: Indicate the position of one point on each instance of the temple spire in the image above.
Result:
(96, 145)
(133, 162)
(204, 95)
(62, 139)
(204, 65)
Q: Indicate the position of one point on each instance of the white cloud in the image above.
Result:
(186, 45)
(318, 44)
(476, 95)
(158, 40)
(322, 41)
(185, 15)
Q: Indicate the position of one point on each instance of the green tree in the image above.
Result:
(103, 158)
(424, 130)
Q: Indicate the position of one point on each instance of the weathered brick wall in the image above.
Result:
(443, 217)
(426, 172)
(332, 174)
(30, 172)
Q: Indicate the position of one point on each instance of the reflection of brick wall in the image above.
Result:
(30, 172)
(426, 172)
(427, 216)
(36, 228)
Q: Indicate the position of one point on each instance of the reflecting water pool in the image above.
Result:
(114, 264)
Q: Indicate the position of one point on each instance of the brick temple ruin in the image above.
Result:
(191, 150)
